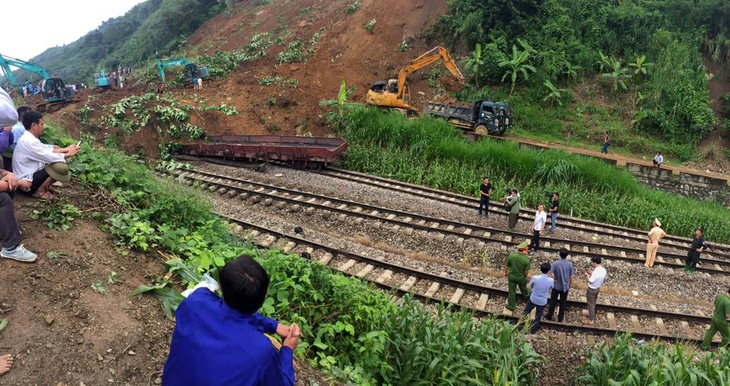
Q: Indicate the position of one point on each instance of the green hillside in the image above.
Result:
(152, 29)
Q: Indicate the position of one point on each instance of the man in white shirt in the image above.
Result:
(658, 159)
(31, 157)
(595, 279)
(537, 227)
(655, 234)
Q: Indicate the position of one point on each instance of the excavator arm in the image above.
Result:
(435, 54)
(161, 64)
(6, 62)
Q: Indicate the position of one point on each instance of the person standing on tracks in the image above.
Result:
(517, 268)
(719, 321)
(595, 277)
(541, 285)
(485, 192)
(555, 205)
(655, 234)
(563, 272)
(693, 256)
(606, 142)
(537, 227)
(513, 201)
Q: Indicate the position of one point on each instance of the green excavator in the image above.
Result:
(54, 91)
(190, 72)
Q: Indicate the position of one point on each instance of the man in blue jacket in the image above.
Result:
(221, 341)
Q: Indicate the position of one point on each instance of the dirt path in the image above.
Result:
(619, 158)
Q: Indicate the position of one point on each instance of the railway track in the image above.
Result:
(482, 301)
(410, 222)
(564, 221)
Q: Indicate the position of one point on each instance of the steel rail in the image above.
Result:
(569, 222)
(437, 222)
(421, 275)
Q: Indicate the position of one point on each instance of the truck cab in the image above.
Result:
(491, 117)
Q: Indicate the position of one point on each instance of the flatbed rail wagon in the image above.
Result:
(312, 152)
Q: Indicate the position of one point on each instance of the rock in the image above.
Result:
(99, 357)
(130, 352)
(109, 350)
(49, 319)
(158, 381)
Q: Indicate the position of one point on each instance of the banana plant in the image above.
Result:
(517, 64)
(554, 94)
(474, 63)
(618, 75)
(640, 65)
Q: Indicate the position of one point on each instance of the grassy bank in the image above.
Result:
(628, 362)
(431, 152)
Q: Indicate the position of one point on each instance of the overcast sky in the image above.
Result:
(32, 26)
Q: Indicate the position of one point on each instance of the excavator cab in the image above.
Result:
(397, 93)
(54, 90)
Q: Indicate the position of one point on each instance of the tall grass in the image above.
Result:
(431, 152)
(626, 363)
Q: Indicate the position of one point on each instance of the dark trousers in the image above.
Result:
(535, 243)
(512, 220)
(9, 233)
(554, 295)
(38, 179)
(7, 163)
(484, 205)
(538, 315)
(604, 149)
(693, 257)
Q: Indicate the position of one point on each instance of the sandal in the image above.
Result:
(43, 196)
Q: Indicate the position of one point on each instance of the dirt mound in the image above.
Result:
(344, 50)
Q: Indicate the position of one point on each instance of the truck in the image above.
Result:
(483, 117)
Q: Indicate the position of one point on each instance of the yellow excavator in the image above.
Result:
(396, 93)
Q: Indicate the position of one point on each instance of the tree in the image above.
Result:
(474, 63)
(554, 94)
(517, 64)
(617, 75)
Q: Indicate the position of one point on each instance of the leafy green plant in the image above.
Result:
(628, 362)
(554, 94)
(271, 101)
(99, 287)
(403, 45)
(114, 278)
(352, 7)
(293, 53)
(517, 64)
(473, 64)
(85, 113)
(370, 26)
(617, 75)
(57, 215)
